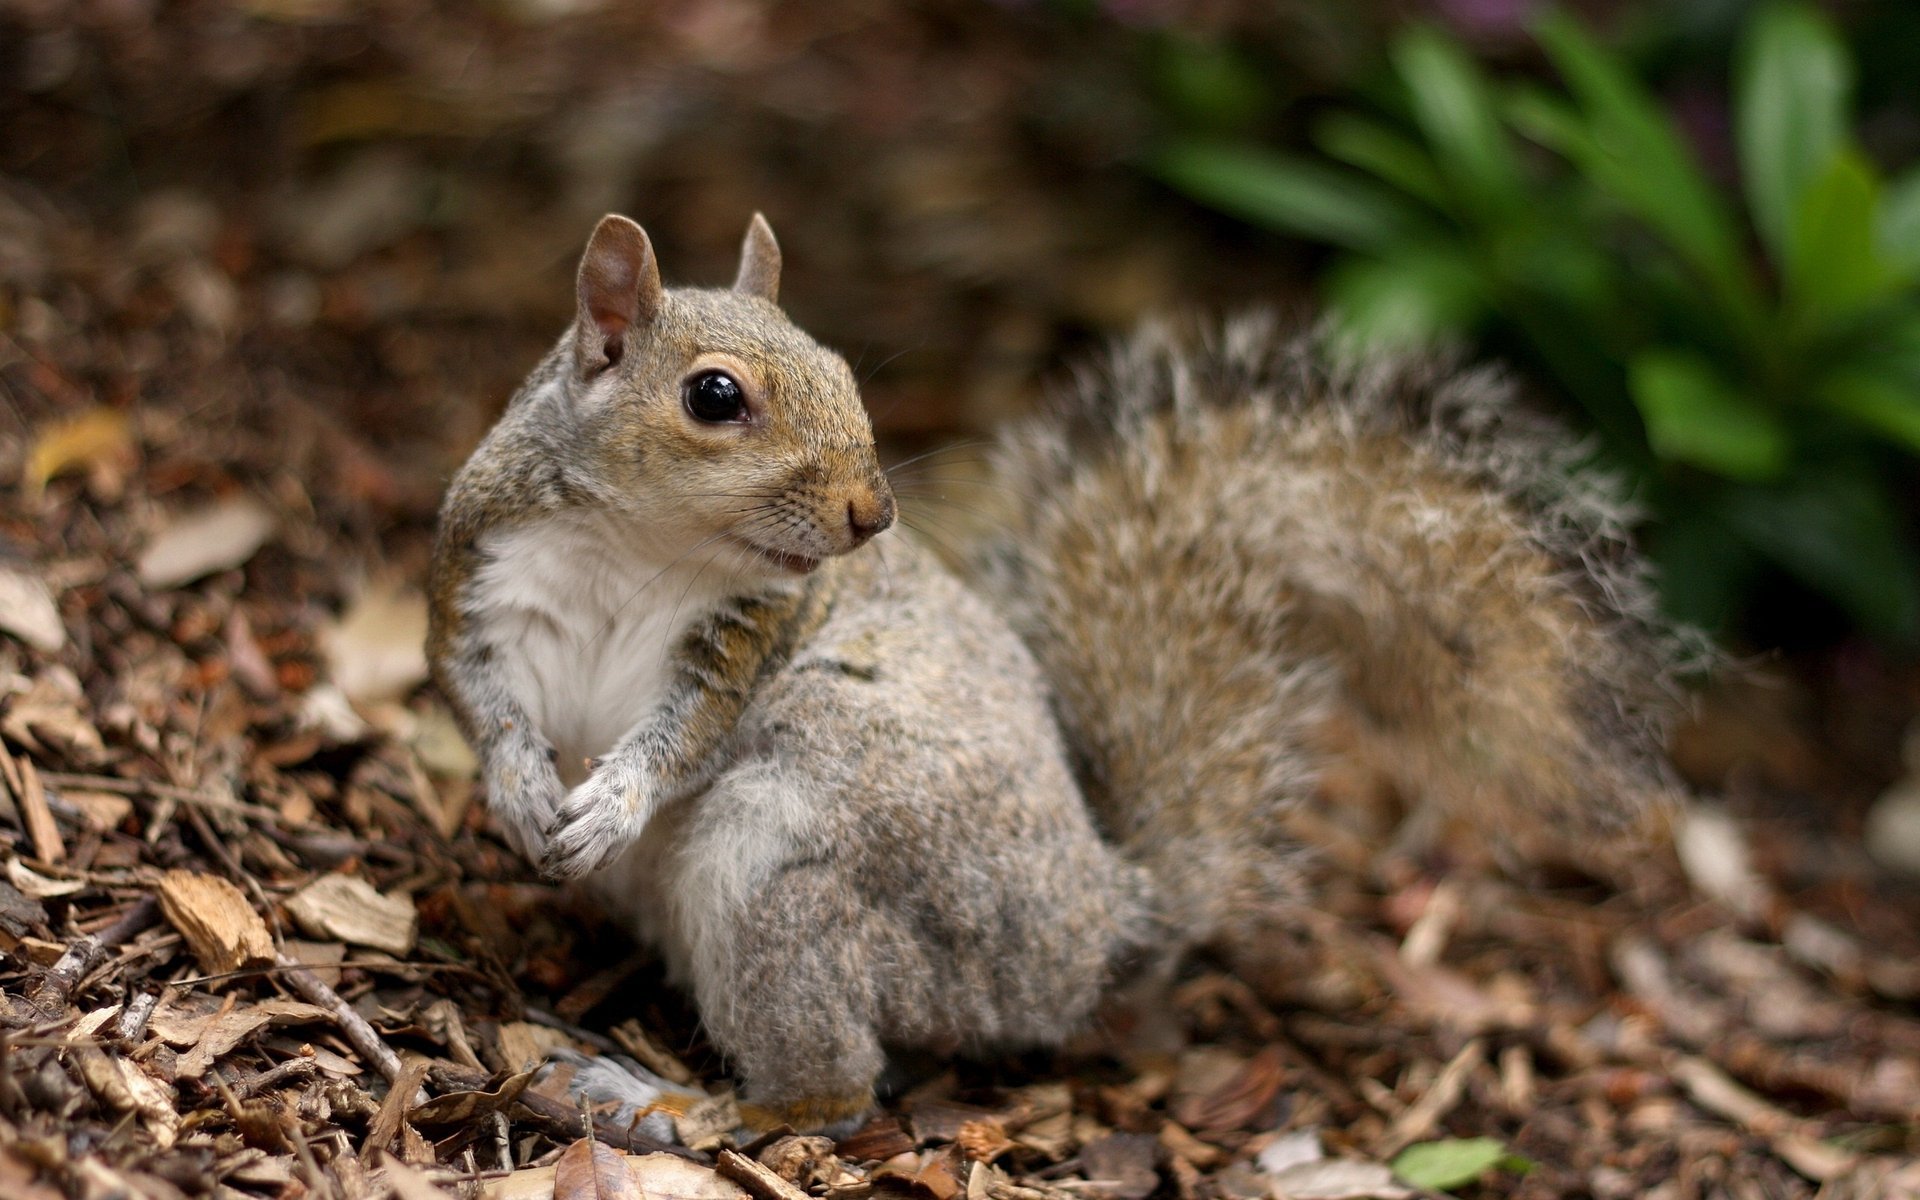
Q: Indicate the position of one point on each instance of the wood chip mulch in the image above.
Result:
(258, 940)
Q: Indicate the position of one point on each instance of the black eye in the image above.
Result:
(715, 396)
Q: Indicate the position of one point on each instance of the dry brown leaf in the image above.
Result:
(27, 610)
(97, 438)
(215, 918)
(377, 651)
(227, 1029)
(1241, 1101)
(459, 1108)
(124, 1087)
(657, 1176)
(524, 1045)
(201, 541)
(1338, 1179)
(590, 1170)
(51, 714)
(410, 1183)
(348, 908)
(876, 1141)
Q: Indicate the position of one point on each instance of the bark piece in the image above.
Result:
(215, 918)
(348, 908)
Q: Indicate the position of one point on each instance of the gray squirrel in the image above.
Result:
(858, 806)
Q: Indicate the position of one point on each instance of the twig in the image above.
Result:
(757, 1179)
(133, 1019)
(1423, 1115)
(158, 790)
(556, 1118)
(47, 846)
(260, 1081)
(53, 991)
(353, 1026)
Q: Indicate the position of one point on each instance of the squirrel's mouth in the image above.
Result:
(797, 564)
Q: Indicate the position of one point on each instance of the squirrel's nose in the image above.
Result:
(869, 515)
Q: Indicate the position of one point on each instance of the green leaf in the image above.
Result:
(1834, 268)
(1384, 153)
(1452, 105)
(1286, 194)
(1694, 416)
(1838, 531)
(1209, 83)
(1791, 89)
(1449, 1164)
(1705, 569)
(1630, 150)
(1418, 297)
(1899, 232)
(1890, 406)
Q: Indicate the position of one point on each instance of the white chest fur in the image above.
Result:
(585, 619)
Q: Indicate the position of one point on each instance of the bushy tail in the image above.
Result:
(1266, 586)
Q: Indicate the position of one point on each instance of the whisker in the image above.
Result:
(970, 444)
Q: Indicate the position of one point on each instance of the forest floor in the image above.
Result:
(258, 939)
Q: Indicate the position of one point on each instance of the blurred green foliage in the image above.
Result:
(1752, 361)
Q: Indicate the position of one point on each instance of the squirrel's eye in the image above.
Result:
(715, 396)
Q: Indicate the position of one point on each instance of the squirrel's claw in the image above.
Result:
(598, 820)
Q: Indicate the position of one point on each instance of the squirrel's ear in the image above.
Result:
(618, 287)
(759, 262)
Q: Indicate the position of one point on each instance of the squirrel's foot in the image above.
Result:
(646, 1102)
(600, 818)
(523, 794)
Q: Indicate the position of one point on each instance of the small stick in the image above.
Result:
(86, 953)
(757, 1179)
(556, 1118)
(133, 1019)
(355, 1028)
(47, 846)
(293, 1068)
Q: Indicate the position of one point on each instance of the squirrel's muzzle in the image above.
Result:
(869, 513)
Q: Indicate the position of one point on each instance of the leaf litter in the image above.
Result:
(256, 939)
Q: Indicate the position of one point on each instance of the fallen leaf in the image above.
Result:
(1242, 1100)
(1338, 1179)
(459, 1108)
(590, 1170)
(124, 1087)
(98, 437)
(1452, 1163)
(51, 714)
(1715, 855)
(525, 1046)
(215, 918)
(1290, 1150)
(199, 542)
(657, 1176)
(27, 610)
(228, 1029)
(349, 909)
(377, 651)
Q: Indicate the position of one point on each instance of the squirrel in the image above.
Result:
(859, 805)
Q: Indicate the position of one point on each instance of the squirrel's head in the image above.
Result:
(711, 417)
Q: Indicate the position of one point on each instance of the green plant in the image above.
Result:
(1759, 378)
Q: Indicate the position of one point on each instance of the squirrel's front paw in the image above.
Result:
(523, 793)
(599, 819)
